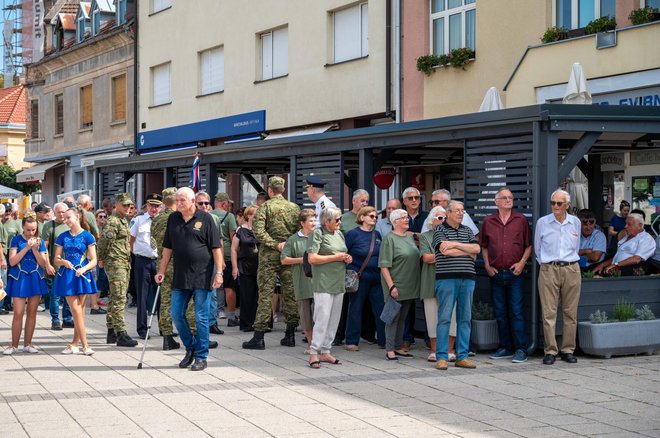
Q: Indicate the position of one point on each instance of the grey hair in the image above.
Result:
(14, 207)
(60, 204)
(408, 190)
(432, 214)
(638, 218)
(564, 193)
(442, 192)
(187, 192)
(329, 214)
(202, 193)
(398, 214)
(360, 192)
(501, 189)
(452, 204)
(317, 190)
(84, 199)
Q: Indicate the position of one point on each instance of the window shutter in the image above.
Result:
(34, 113)
(280, 52)
(59, 114)
(86, 105)
(119, 110)
(161, 84)
(212, 70)
(267, 56)
(347, 35)
(364, 29)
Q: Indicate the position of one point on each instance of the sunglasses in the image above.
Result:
(440, 218)
(201, 203)
(589, 221)
(413, 198)
(557, 203)
(372, 216)
(435, 202)
(337, 220)
(101, 216)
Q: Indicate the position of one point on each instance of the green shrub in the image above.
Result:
(553, 34)
(645, 313)
(623, 310)
(600, 25)
(588, 274)
(642, 15)
(459, 58)
(598, 317)
(425, 63)
(482, 311)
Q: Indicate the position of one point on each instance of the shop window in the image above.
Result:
(453, 25)
(34, 118)
(212, 70)
(351, 33)
(119, 98)
(160, 79)
(574, 14)
(59, 114)
(645, 194)
(86, 107)
(159, 5)
(275, 53)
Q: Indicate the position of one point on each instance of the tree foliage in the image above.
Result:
(8, 179)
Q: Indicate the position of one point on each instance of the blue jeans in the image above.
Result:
(369, 287)
(213, 312)
(54, 305)
(180, 300)
(508, 297)
(448, 292)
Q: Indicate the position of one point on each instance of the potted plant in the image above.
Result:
(426, 63)
(459, 58)
(643, 15)
(602, 24)
(601, 336)
(484, 327)
(553, 34)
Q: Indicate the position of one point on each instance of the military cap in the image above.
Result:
(315, 181)
(154, 198)
(123, 198)
(169, 192)
(7, 206)
(276, 182)
(222, 196)
(42, 207)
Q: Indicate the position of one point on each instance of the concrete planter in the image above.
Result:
(484, 334)
(619, 338)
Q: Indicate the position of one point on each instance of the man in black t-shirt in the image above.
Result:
(193, 240)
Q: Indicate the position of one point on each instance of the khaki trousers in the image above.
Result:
(559, 284)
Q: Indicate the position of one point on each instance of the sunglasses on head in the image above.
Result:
(557, 203)
(589, 221)
(200, 203)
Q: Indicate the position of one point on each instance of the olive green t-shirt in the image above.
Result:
(401, 256)
(348, 222)
(3, 237)
(294, 247)
(228, 226)
(91, 221)
(328, 277)
(427, 281)
(13, 227)
(48, 236)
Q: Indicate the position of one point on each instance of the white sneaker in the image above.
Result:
(11, 350)
(88, 351)
(71, 349)
(41, 308)
(30, 349)
(222, 314)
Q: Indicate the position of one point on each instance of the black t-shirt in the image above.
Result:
(192, 243)
(248, 252)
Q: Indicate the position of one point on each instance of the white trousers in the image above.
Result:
(431, 314)
(327, 312)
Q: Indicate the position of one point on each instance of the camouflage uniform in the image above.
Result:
(274, 222)
(115, 251)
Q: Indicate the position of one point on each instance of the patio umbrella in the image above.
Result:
(576, 89)
(6, 192)
(491, 101)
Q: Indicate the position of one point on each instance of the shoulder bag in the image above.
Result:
(352, 279)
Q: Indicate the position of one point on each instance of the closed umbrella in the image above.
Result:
(576, 89)
(492, 101)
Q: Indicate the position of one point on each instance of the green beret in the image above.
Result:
(123, 198)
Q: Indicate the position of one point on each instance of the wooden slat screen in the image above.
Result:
(87, 117)
(119, 98)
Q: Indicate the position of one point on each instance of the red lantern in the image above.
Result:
(384, 178)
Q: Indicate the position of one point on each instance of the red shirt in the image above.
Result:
(506, 243)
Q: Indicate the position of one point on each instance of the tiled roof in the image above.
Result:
(12, 104)
(70, 7)
(68, 21)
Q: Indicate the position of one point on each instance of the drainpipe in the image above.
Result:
(136, 82)
(397, 59)
(388, 58)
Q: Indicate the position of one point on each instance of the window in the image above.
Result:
(212, 70)
(96, 20)
(160, 79)
(120, 12)
(34, 118)
(275, 53)
(80, 28)
(453, 24)
(59, 114)
(350, 29)
(655, 4)
(574, 14)
(159, 5)
(119, 98)
(86, 108)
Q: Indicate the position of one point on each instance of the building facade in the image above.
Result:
(12, 127)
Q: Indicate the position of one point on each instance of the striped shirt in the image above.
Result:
(453, 266)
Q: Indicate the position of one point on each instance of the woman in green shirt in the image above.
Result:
(292, 254)
(328, 257)
(399, 268)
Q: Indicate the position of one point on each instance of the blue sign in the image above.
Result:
(230, 126)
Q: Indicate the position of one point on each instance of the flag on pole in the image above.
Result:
(195, 180)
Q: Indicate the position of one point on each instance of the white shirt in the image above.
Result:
(641, 245)
(467, 221)
(557, 242)
(656, 257)
(321, 204)
(141, 230)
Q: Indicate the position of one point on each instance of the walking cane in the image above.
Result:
(151, 317)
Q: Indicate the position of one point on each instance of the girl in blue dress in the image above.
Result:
(25, 282)
(75, 255)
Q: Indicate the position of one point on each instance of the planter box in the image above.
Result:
(574, 33)
(619, 338)
(484, 334)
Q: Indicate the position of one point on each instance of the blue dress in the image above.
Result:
(26, 278)
(73, 250)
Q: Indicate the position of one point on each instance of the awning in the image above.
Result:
(6, 192)
(317, 129)
(36, 173)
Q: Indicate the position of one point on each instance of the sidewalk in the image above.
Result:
(274, 393)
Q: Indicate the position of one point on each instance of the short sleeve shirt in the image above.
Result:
(348, 222)
(447, 267)
(295, 247)
(328, 277)
(401, 256)
(596, 241)
(427, 280)
(227, 225)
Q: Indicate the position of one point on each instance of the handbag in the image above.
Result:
(390, 311)
(307, 267)
(352, 278)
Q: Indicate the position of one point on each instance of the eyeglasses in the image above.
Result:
(506, 198)
(589, 221)
(440, 218)
(372, 216)
(557, 203)
(101, 216)
(201, 203)
(413, 198)
(435, 202)
(337, 220)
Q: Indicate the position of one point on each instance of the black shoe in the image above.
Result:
(270, 323)
(187, 359)
(233, 322)
(337, 342)
(98, 311)
(549, 359)
(133, 304)
(304, 340)
(169, 343)
(568, 357)
(289, 339)
(68, 324)
(4, 312)
(247, 329)
(56, 326)
(142, 335)
(216, 330)
(256, 343)
(371, 340)
(199, 365)
(112, 337)
(123, 340)
(213, 344)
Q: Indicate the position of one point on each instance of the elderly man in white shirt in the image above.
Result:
(634, 249)
(556, 244)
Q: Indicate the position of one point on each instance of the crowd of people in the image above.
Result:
(340, 277)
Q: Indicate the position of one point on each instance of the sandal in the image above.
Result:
(431, 357)
(333, 361)
(315, 364)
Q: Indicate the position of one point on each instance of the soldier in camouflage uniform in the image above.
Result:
(274, 222)
(115, 256)
(158, 227)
